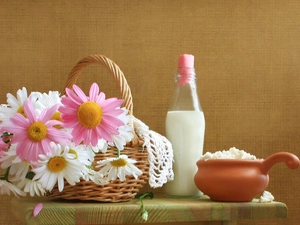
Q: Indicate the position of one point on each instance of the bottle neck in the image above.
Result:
(185, 75)
(185, 96)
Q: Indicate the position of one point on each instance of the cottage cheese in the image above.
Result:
(232, 153)
(266, 197)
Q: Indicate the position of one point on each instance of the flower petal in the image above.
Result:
(29, 110)
(94, 91)
(80, 93)
(47, 114)
(37, 209)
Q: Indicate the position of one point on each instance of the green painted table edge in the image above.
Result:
(161, 210)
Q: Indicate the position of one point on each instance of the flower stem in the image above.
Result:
(144, 212)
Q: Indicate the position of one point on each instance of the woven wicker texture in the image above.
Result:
(115, 191)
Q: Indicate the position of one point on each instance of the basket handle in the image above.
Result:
(114, 70)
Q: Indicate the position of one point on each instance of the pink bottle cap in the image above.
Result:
(185, 68)
(186, 60)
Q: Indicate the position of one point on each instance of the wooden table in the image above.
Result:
(161, 211)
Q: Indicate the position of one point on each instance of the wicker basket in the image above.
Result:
(115, 191)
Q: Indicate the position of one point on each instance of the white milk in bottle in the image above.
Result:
(185, 128)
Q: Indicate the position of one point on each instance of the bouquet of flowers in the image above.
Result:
(48, 139)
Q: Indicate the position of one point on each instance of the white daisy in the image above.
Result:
(8, 157)
(102, 146)
(114, 168)
(96, 177)
(81, 153)
(125, 135)
(47, 100)
(14, 105)
(125, 132)
(18, 168)
(31, 186)
(56, 166)
(7, 188)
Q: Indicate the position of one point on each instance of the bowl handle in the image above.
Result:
(291, 161)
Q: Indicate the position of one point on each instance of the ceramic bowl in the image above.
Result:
(238, 180)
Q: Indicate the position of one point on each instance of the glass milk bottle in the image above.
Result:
(185, 127)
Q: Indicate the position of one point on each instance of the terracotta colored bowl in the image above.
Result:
(238, 180)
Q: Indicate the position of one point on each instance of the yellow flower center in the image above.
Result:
(56, 116)
(21, 111)
(119, 162)
(71, 151)
(89, 114)
(37, 131)
(57, 164)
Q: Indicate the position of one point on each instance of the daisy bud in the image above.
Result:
(145, 215)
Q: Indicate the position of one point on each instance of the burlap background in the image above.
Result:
(247, 59)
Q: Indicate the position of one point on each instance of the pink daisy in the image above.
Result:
(92, 117)
(3, 146)
(34, 134)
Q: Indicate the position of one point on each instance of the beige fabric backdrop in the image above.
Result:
(247, 59)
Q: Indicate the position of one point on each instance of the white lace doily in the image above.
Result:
(160, 154)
